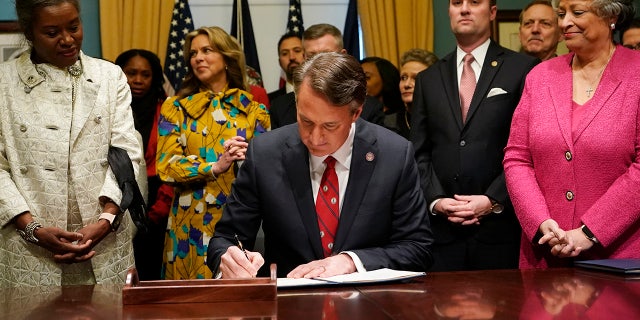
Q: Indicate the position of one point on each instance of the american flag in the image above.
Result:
(181, 24)
(294, 26)
(294, 22)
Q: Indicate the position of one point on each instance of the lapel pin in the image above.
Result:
(494, 63)
(369, 156)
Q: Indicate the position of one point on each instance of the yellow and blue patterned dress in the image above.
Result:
(191, 133)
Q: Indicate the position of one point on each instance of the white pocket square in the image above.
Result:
(495, 92)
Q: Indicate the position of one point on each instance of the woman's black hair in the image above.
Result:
(390, 75)
(157, 79)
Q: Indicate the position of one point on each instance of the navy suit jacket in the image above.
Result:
(277, 93)
(283, 111)
(466, 159)
(383, 218)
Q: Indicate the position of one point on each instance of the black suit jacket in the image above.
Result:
(383, 218)
(277, 93)
(283, 111)
(466, 159)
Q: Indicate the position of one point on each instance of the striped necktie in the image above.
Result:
(328, 206)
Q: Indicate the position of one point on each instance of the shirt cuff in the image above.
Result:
(356, 261)
(433, 205)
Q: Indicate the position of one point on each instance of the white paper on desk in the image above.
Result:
(301, 282)
(375, 276)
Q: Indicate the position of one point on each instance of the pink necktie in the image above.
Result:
(328, 206)
(467, 86)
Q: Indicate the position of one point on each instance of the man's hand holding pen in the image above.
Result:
(239, 263)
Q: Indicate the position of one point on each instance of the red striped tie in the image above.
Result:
(328, 206)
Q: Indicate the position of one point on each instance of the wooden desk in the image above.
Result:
(506, 294)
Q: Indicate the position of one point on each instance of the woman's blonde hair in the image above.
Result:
(231, 52)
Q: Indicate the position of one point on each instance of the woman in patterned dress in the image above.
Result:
(203, 135)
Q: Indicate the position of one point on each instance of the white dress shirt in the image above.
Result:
(288, 87)
(478, 54)
(343, 165)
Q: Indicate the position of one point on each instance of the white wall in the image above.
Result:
(269, 18)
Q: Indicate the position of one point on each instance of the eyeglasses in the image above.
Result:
(633, 46)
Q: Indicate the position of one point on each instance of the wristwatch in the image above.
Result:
(114, 219)
(496, 207)
(589, 234)
(28, 234)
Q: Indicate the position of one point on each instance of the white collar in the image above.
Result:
(342, 155)
(479, 53)
(288, 87)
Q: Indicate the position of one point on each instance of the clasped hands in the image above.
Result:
(563, 243)
(561, 292)
(72, 247)
(234, 264)
(67, 246)
(464, 210)
(235, 148)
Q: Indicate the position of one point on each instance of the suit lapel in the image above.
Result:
(490, 66)
(562, 99)
(363, 161)
(608, 85)
(88, 89)
(296, 158)
(448, 72)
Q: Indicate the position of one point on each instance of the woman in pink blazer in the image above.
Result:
(572, 163)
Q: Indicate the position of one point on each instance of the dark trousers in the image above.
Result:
(148, 247)
(470, 254)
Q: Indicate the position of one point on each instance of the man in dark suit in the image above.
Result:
(539, 30)
(460, 157)
(380, 210)
(320, 38)
(290, 56)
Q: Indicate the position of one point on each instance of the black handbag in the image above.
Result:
(131, 196)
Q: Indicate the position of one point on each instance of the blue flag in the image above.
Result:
(351, 35)
(242, 29)
(181, 24)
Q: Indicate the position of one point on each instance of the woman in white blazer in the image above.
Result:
(60, 110)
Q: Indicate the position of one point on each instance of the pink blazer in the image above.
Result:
(600, 166)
